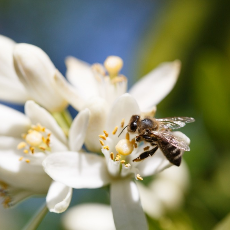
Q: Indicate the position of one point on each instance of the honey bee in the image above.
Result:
(158, 133)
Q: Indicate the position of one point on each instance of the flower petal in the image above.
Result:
(98, 115)
(77, 170)
(69, 92)
(80, 74)
(125, 201)
(9, 81)
(153, 87)
(58, 197)
(22, 175)
(12, 122)
(123, 108)
(37, 114)
(36, 72)
(98, 216)
(78, 130)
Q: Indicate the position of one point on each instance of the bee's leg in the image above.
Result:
(146, 154)
(138, 138)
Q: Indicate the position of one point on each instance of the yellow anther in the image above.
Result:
(47, 141)
(146, 148)
(102, 143)
(32, 149)
(43, 140)
(115, 130)
(25, 151)
(118, 157)
(139, 177)
(6, 202)
(106, 147)
(34, 138)
(106, 134)
(102, 137)
(21, 145)
(113, 65)
(122, 123)
(27, 160)
(135, 145)
(42, 148)
(99, 69)
(24, 136)
(127, 136)
(112, 155)
(124, 147)
(122, 161)
(127, 165)
(20, 159)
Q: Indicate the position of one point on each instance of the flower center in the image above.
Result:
(37, 139)
(119, 163)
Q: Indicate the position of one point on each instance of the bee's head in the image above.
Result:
(133, 123)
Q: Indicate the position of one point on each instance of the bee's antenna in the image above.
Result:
(122, 130)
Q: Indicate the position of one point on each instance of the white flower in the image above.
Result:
(97, 91)
(25, 141)
(97, 171)
(88, 217)
(34, 76)
(93, 81)
(11, 89)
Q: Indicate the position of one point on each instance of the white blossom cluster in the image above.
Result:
(41, 151)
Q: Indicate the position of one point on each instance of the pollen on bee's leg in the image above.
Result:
(115, 130)
(106, 147)
(106, 134)
(102, 137)
(127, 136)
(112, 155)
(138, 177)
(122, 123)
(102, 143)
(21, 145)
(146, 148)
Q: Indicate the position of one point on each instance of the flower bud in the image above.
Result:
(36, 72)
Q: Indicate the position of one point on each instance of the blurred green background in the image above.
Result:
(144, 34)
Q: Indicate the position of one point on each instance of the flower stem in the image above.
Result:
(37, 218)
(64, 119)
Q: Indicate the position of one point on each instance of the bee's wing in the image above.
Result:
(173, 140)
(174, 122)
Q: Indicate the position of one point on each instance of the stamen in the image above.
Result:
(106, 147)
(127, 165)
(106, 134)
(118, 157)
(124, 147)
(102, 137)
(122, 161)
(25, 151)
(139, 177)
(20, 159)
(6, 202)
(102, 143)
(127, 136)
(27, 160)
(135, 145)
(146, 148)
(122, 123)
(42, 148)
(112, 155)
(115, 130)
(21, 145)
(32, 149)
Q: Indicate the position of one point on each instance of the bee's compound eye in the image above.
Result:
(133, 126)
